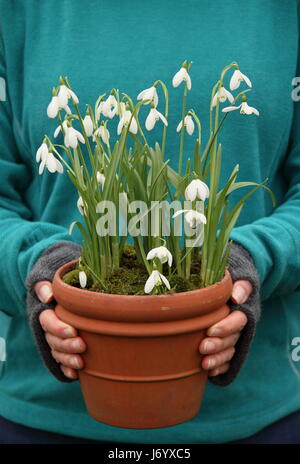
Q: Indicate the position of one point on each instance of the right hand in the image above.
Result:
(62, 338)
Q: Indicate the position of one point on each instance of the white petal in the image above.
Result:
(150, 284)
(133, 126)
(73, 96)
(161, 116)
(42, 167)
(229, 96)
(188, 81)
(120, 125)
(191, 191)
(246, 79)
(51, 163)
(179, 127)
(234, 81)
(63, 96)
(151, 254)
(150, 121)
(88, 125)
(230, 108)
(53, 108)
(42, 151)
(57, 131)
(190, 126)
(59, 166)
(181, 211)
(165, 281)
(178, 78)
(215, 100)
(82, 279)
(79, 136)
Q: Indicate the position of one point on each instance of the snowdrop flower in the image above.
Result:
(102, 132)
(236, 79)
(243, 107)
(50, 162)
(88, 125)
(222, 95)
(162, 253)
(82, 279)
(124, 121)
(188, 124)
(182, 75)
(81, 206)
(72, 136)
(193, 218)
(41, 152)
(149, 94)
(154, 116)
(196, 189)
(110, 107)
(100, 178)
(64, 94)
(54, 107)
(156, 278)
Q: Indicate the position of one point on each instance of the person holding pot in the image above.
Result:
(253, 400)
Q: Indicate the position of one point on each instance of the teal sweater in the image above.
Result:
(102, 44)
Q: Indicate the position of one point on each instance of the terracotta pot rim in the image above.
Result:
(82, 291)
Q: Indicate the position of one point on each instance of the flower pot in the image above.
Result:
(142, 366)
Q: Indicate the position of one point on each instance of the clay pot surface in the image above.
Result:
(142, 366)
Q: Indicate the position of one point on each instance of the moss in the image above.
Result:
(130, 278)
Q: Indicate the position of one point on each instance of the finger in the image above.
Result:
(241, 291)
(219, 370)
(216, 360)
(234, 322)
(68, 372)
(212, 345)
(74, 361)
(44, 291)
(67, 345)
(52, 324)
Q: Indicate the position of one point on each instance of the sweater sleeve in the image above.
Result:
(273, 241)
(22, 240)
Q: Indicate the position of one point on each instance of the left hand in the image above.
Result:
(219, 346)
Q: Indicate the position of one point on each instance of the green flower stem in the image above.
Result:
(182, 130)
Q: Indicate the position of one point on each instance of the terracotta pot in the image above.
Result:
(142, 367)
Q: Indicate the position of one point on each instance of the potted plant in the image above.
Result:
(143, 307)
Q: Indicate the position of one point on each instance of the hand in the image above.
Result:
(62, 338)
(219, 347)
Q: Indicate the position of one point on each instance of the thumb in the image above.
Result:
(241, 291)
(44, 291)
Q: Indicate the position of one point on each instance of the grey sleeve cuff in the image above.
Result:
(52, 258)
(241, 267)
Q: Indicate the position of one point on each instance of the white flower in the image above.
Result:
(154, 116)
(124, 121)
(236, 78)
(88, 125)
(196, 189)
(82, 279)
(102, 132)
(64, 94)
(42, 151)
(81, 206)
(50, 162)
(222, 95)
(193, 218)
(162, 253)
(110, 107)
(100, 178)
(156, 278)
(188, 124)
(243, 107)
(182, 75)
(149, 94)
(72, 136)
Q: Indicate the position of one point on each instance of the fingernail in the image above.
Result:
(211, 363)
(75, 345)
(239, 294)
(208, 346)
(214, 332)
(69, 332)
(45, 294)
(74, 362)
